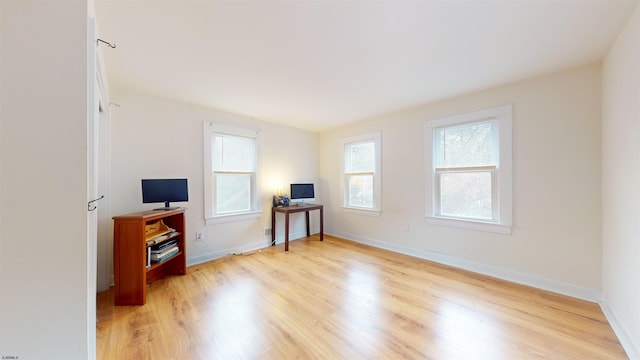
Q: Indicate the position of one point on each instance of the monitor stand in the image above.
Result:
(167, 207)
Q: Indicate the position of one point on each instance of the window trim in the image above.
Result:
(376, 137)
(209, 129)
(503, 172)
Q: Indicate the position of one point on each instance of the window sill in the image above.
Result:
(359, 211)
(221, 219)
(469, 224)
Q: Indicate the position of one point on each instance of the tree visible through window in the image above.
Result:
(361, 172)
(468, 164)
(465, 165)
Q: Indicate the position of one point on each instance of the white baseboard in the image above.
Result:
(559, 287)
(230, 251)
(244, 248)
(630, 346)
(294, 235)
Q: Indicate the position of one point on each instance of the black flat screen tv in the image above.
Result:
(302, 192)
(164, 191)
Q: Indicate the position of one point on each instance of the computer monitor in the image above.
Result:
(302, 192)
(164, 191)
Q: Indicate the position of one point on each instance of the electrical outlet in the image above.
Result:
(199, 236)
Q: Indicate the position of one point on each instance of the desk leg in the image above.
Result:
(273, 227)
(306, 216)
(286, 231)
(321, 224)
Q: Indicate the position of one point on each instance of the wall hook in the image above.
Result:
(90, 206)
(98, 41)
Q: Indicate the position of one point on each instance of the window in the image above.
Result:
(231, 174)
(361, 172)
(469, 170)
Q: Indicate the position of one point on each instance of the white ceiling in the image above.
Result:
(321, 64)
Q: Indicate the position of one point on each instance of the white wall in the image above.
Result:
(556, 180)
(621, 186)
(154, 138)
(45, 312)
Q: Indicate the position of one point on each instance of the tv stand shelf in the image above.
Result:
(131, 274)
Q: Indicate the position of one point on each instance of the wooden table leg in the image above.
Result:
(321, 224)
(273, 227)
(306, 213)
(286, 231)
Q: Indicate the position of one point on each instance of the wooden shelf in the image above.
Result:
(131, 274)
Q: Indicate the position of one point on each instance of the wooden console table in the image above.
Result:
(286, 210)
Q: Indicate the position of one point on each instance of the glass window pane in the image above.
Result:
(233, 153)
(233, 193)
(466, 194)
(360, 157)
(467, 145)
(360, 191)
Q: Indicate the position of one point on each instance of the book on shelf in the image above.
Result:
(166, 256)
(159, 254)
(161, 238)
(163, 246)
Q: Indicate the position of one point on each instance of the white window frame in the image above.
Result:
(501, 174)
(211, 217)
(376, 138)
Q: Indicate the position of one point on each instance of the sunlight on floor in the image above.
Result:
(465, 333)
(360, 309)
(232, 321)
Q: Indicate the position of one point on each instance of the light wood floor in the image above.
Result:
(342, 300)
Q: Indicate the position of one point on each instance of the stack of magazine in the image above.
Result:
(162, 252)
